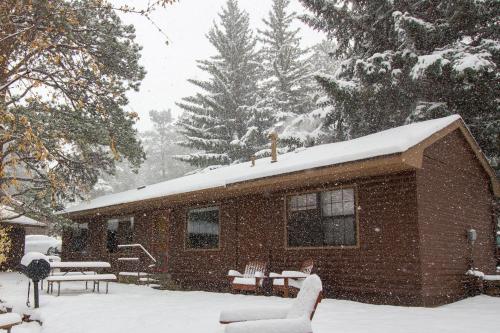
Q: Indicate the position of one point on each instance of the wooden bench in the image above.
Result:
(69, 273)
(95, 278)
(8, 320)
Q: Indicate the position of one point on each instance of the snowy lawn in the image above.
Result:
(130, 308)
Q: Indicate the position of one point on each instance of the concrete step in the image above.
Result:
(147, 279)
(134, 274)
(128, 259)
(155, 286)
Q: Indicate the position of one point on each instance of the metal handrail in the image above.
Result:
(139, 246)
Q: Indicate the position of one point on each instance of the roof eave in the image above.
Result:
(340, 172)
(415, 154)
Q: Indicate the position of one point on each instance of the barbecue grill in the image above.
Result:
(36, 267)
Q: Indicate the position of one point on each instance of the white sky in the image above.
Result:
(169, 66)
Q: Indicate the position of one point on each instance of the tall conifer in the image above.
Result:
(215, 120)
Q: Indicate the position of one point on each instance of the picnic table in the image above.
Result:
(75, 271)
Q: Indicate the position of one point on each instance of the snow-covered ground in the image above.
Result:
(129, 308)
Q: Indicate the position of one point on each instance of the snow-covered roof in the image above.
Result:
(391, 141)
(8, 215)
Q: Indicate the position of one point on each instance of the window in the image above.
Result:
(79, 237)
(303, 202)
(203, 228)
(322, 219)
(119, 231)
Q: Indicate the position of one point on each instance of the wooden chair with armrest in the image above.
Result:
(252, 278)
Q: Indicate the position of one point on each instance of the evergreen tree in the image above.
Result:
(309, 128)
(161, 145)
(287, 82)
(221, 122)
(408, 60)
(159, 140)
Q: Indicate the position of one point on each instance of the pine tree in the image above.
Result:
(160, 145)
(220, 122)
(287, 82)
(409, 60)
(311, 127)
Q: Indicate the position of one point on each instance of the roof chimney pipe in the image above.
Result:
(274, 144)
(252, 159)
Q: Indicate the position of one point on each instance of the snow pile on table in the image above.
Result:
(395, 140)
(80, 264)
(31, 256)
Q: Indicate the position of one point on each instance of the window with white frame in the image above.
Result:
(319, 219)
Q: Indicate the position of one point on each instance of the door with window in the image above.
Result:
(120, 230)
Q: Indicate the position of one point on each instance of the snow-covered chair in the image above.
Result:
(294, 319)
(292, 280)
(251, 279)
(8, 320)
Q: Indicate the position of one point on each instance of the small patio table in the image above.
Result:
(285, 278)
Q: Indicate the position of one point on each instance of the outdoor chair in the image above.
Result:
(294, 319)
(251, 279)
(8, 320)
(291, 280)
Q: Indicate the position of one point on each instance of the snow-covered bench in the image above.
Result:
(8, 320)
(68, 273)
(95, 278)
(294, 319)
(251, 279)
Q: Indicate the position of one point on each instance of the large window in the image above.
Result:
(79, 237)
(203, 228)
(119, 231)
(322, 219)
